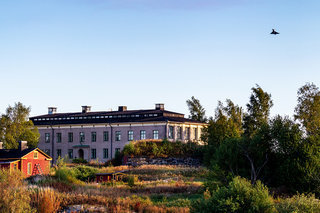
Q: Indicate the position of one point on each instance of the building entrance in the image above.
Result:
(81, 154)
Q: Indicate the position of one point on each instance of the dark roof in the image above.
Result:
(111, 117)
(14, 153)
(17, 154)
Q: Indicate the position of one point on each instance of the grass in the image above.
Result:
(157, 188)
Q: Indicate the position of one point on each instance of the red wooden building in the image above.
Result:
(30, 162)
(113, 176)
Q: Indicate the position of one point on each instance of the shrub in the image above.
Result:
(156, 148)
(79, 161)
(299, 204)
(132, 179)
(14, 194)
(84, 173)
(45, 200)
(238, 196)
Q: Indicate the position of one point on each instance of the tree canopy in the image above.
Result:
(15, 126)
(273, 150)
(197, 112)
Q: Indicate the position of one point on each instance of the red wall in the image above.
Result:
(44, 164)
(106, 178)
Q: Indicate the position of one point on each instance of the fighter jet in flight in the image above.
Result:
(274, 32)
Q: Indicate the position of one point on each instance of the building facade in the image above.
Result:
(99, 135)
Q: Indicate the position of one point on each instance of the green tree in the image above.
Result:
(196, 110)
(238, 196)
(258, 110)
(308, 109)
(226, 124)
(15, 126)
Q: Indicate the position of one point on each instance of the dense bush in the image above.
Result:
(80, 161)
(14, 196)
(299, 204)
(163, 149)
(239, 196)
(85, 173)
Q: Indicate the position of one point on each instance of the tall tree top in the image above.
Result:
(258, 110)
(15, 126)
(197, 112)
(307, 110)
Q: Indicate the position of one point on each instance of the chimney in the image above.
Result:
(159, 106)
(52, 110)
(122, 108)
(23, 145)
(86, 109)
(1, 145)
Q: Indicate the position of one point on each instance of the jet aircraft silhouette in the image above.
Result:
(274, 32)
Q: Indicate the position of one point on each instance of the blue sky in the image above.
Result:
(105, 53)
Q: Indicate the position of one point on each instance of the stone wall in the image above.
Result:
(137, 161)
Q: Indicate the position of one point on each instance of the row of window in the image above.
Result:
(179, 133)
(97, 117)
(81, 137)
(143, 136)
(93, 153)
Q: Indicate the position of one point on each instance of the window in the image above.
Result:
(187, 133)
(118, 135)
(93, 136)
(47, 137)
(47, 151)
(155, 134)
(70, 137)
(142, 134)
(170, 132)
(117, 150)
(105, 136)
(105, 153)
(130, 135)
(196, 133)
(29, 169)
(58, 152)
(70, 153)
(82, 138)
(15, 166)
(93, 153)
(179, 132)
(35, 154)
(58, 137)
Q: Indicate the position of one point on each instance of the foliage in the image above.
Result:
(85, 173)
(45, 200)
(62, 173)
(226, 124)
(238, 196)
(117, 160)
(258, 110)
(79, 161)
(300, 203)
(14, 194)
(132, 180)
(163, 149)
(196, 110)
(308, 109)
(15, 126)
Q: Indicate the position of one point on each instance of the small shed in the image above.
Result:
(30, 162)
(113, 176)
